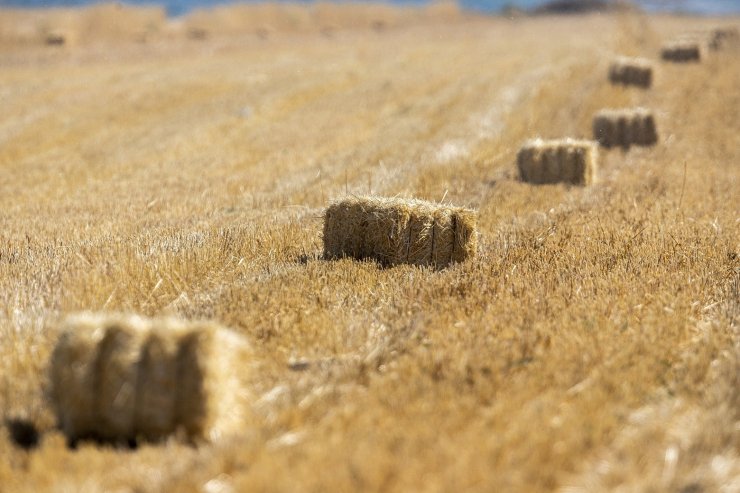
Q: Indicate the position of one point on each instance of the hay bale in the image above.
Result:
(722, 37)
(59, 37)
(120, 378)
(625, 127)
(558, 161)
(631, 71)
(682, 51)
(399, 231)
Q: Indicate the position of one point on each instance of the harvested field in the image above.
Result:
(590, 344)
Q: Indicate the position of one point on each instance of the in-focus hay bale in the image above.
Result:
(625, 127)
(558, 161)
(399, 231)
(631, 71)
(121, 378)
(682, 51)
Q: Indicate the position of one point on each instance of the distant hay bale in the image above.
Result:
(57, 37)
(723, 36)
(399, 231)
(558, 161)
(120, 378)
(625, 127)
(631, 71)
(682, 51)
(197, 33)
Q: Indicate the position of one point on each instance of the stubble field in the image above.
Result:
(592, 345)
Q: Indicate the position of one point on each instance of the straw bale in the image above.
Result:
(558, 161)
(631, 71)
(723, 36)
(60, 37)
(399, 231)
(682, 51)
(625, 127)
(121, 378)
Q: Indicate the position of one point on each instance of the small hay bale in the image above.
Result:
(397, 231)
(558, 161)
(59, 37)
(120, 378)
(682, 51)
(631, 71)
(625, 127)
(722, 37)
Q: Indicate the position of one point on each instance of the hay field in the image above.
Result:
(592, 345)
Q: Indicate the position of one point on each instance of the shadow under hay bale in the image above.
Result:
(558, 161)
(625, 127)
(631, 71)
(397, 231)
(23, 433)
(682, 51)
(118, 379)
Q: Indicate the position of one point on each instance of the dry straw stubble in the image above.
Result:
(120, 378)
(397, 231)
(631, 71)
(558, 161)
(625, 127)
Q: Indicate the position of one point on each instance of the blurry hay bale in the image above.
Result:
(58, 37)
(121, 378)
(553, 161)
(682, 51)
(631, 71)
(399, 231)
(723, 36)
(625, 127)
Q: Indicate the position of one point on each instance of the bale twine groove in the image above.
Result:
(399, 231)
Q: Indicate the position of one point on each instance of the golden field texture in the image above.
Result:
(591, 344)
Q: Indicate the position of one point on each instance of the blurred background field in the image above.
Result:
(180, 166)
(69, 22)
